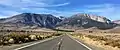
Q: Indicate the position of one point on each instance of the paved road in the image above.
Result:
(61, 43)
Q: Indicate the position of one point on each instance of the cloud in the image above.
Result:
(99, 5)
(10, 12)
(29, 3)
(13, 7)
(5, 14)
(60, 4)
(108, 10)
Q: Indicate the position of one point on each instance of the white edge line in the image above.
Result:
(58, 43)
(33, 44)
(80, 43)
(61, 39)
(28, 45)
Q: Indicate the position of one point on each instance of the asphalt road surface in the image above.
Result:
(61, 43)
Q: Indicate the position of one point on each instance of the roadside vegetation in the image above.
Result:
(24, 37)
(106, 40)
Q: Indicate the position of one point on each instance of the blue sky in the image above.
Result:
(107, 8)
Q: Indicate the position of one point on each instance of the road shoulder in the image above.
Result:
(90, 46)
(16, 46)
(81, 42)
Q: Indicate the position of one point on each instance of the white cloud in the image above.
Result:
(3, 16)
(99, 5)
(11, 12)
(108, 10)
(29, 3)
(32, 6)
(53, 12)
(61, 4)
(7, 13)
(111, 11)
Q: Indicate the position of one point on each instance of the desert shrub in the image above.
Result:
(113, 44)
(18, 37)
(5, 43)
(90, 31)
(39, 37)
(1, 42)
(43, 36)
(110, 42)
(97, 38)
(22, 37)
(56, 34)
(32, 37)
(6, 38)
(11, 41)
(26, 39)
(77, 34)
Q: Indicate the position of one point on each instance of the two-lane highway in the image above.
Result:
(60, 43)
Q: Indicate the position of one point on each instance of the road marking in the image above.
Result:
(27, 45)
(58, 43)
(61, 39)
(35, 43)
(83, 44)
(80, 43)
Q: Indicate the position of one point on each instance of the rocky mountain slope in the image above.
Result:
(31, 20)
(116, 21)
(87, 21)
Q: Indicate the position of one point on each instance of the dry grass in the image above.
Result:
(17, 38)
(105, 39)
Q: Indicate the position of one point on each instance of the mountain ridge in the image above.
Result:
(116, 21)
(41, 20)
(49, 21)
(87, 21)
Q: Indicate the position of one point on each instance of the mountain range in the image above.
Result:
(87, 21)
(116, 21)
(32, 20)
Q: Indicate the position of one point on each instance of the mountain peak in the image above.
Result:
(93, 17)
(42, 20)
(82, 20)
(116, 21)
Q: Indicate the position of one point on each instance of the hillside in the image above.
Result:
(78, 21)
(28, 20)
